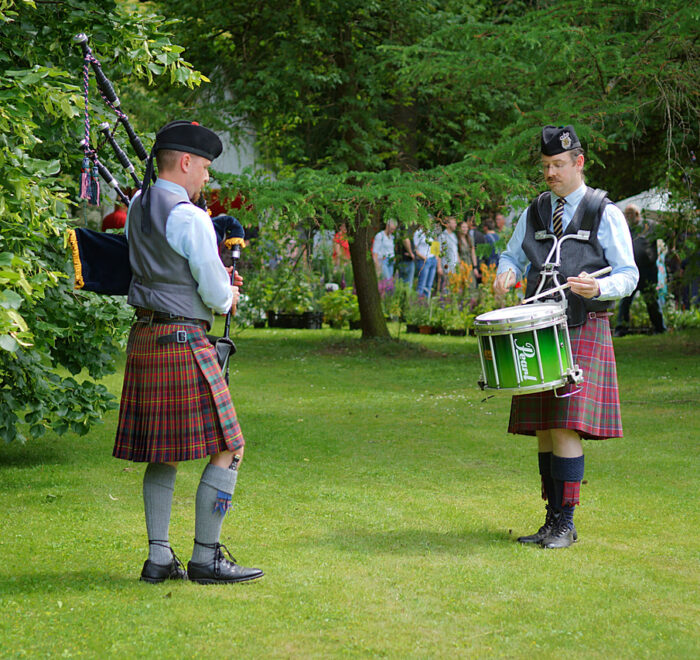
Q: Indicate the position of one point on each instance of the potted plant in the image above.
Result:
(395, 299)
(339, 307)
(417, 314)
(293, 300)
(454, 320)
(450, 316)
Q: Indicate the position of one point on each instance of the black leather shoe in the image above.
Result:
(544, 531)
(155, 573)
(220, 570)
(562, 536)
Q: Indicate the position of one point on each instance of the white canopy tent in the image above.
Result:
(650, 202)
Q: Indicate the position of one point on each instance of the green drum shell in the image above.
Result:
(527, 352)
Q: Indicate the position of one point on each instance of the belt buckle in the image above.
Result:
(592, 315)
(181, 336)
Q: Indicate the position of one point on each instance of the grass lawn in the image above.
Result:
(382, 496)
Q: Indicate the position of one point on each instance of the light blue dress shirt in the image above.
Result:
(613, 236)
(190, 232)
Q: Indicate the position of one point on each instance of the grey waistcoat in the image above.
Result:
(161, 280)
(576, 255)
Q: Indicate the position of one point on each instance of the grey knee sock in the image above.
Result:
(213, 500)
(158, 487)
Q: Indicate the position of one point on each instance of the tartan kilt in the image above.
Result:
(594, 412)
(175, 404)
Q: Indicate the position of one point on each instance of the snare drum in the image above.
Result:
(525, 348)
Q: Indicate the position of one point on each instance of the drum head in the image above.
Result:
(535, 312)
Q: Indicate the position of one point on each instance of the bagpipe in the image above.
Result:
(101, 260)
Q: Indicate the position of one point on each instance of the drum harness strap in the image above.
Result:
(595, 201)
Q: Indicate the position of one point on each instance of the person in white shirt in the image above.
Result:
(427, 255)
(383, 250)
(449, 252)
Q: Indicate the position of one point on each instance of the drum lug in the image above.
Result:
(575, 375)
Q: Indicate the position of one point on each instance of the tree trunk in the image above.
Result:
(371, 314)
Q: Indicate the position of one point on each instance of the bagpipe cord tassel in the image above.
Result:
(85, 178)
(94, 198)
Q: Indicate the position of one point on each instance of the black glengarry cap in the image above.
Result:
(190, 137)
(558, 139)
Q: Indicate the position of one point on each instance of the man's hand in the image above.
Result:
(503, 282)
(237, 279)
(236, 296)
(584, 285)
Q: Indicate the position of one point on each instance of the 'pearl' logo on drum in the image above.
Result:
(524, 352)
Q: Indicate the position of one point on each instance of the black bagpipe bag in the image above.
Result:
(100, 261)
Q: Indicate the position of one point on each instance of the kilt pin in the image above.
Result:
(175, 404)
(594, 411)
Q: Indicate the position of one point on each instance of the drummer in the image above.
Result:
(594, 411)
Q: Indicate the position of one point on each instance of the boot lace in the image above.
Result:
(218, 555)
(166, 544)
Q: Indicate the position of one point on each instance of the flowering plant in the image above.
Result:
(417, 311)
(340, 306)
(396, 296)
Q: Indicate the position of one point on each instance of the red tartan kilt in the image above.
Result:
(594, 412)
(175, 404)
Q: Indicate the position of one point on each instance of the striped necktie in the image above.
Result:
(557, 217)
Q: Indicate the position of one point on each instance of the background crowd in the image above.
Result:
(447, 265)
(426, 258)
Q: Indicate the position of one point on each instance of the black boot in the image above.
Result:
(562, 535)
(544, 531)
(220, 570)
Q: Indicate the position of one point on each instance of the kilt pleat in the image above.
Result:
(175, 404)
(594, 412)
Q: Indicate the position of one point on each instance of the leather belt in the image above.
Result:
(163, 317)
(177, 337)
(599, 315)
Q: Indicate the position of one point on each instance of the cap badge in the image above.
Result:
(565, 140)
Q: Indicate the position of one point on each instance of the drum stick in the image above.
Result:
(562, 287)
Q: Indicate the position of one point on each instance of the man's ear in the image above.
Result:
(185, 162)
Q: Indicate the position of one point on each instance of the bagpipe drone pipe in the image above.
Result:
(101, 260)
